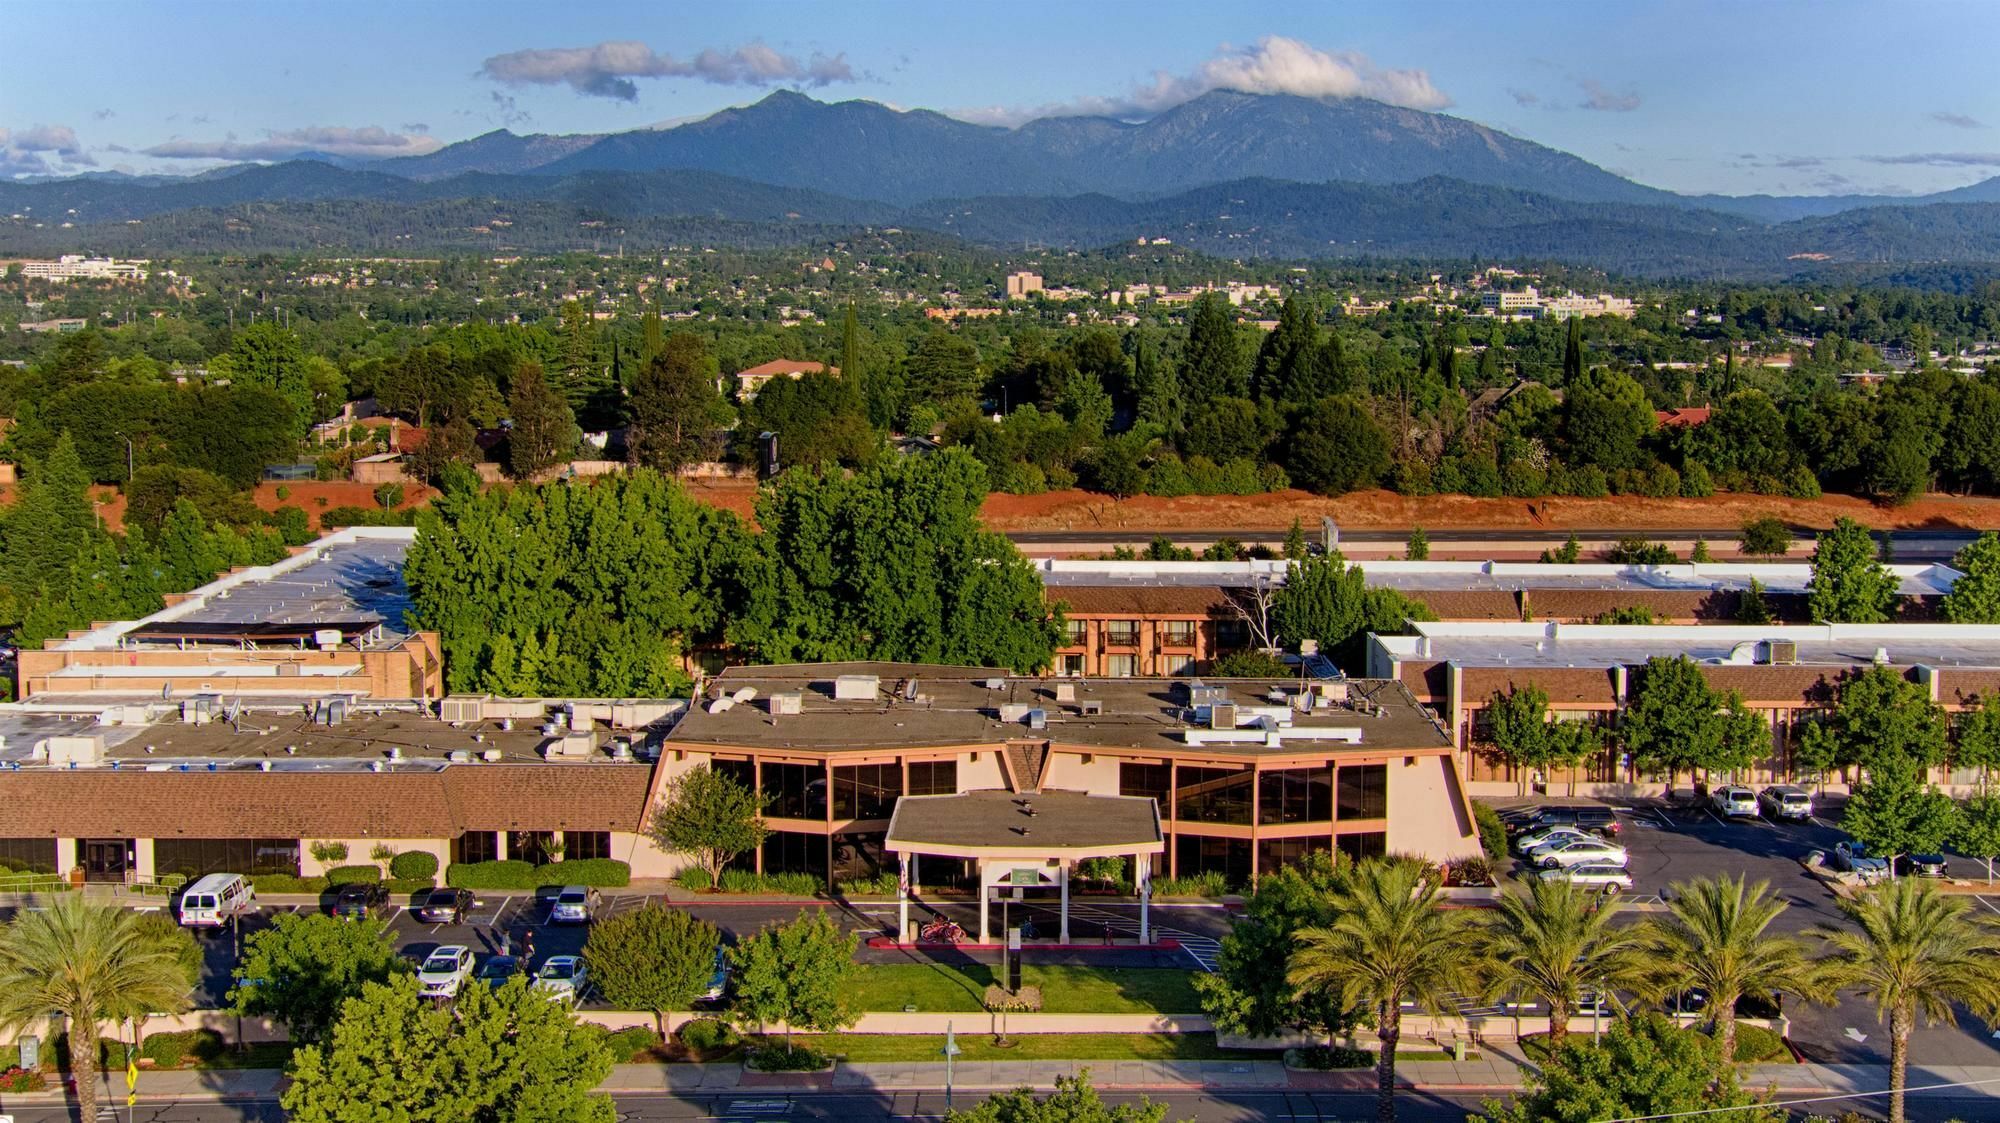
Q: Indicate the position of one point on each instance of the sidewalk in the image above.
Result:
(1496, 1070)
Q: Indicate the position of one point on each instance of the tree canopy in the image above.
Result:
(709, 817)
(1677, 722)
(303, 967)
(655, 958)
(1849, 584)
(1645, 1066)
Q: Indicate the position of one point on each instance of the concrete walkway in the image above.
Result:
(1496, 1070)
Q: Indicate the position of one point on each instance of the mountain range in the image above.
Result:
(1237, 173)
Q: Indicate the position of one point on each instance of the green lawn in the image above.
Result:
(1031, 1047)
(942, 988)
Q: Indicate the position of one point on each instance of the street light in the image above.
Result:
(951, 1050)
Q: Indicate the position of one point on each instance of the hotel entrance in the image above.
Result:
(105, 859)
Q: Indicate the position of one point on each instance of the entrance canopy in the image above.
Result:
(1003, 824)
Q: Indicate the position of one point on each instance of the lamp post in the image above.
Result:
(950, 1050)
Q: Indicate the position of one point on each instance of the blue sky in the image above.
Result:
(1765, 95)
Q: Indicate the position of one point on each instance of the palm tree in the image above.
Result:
(1917, 953)
(87, 963)
(1715, 937)
(1557, 942)
(1389, 943)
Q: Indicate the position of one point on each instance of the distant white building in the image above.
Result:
(77, 267)
(1021, 285)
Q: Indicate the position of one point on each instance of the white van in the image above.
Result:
(213, 900)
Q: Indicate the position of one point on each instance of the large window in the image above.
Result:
(531, 847)
(866, 791)
(1069, 665)
(1146, 779)
(1367, 844)
(1178, 633)
(1121, 666)
(1214, 795)
(742, 773)
(1364, 791)
(476, 846)
(28, 855)
(193, 857)
(1274, 853)
(795, 791)
(1123, 633)
(1229, 857)
(1295, 795)
(857, 856)
(933, 777)
(586, 844)
(1074, 632)
(795, 852)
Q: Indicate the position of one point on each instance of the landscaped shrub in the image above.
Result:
(354, 875)
(397, 885)
(328, 851)
(1324, 1058)
(601, 873)
(1469, 871)
(706, 1035)
(792, 884)
(503, 874)
(1755, 1044)
(694, 879)
(286, 883)
(18, 1080)
(776, 1058)
(389, 494)
(631, 1044)
(1208, 883)
(1492, 832)
(881, 883)
(413, 865)
(169, 1050)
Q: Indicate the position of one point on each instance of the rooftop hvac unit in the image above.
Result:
(462, 709)
(1090, 708)
(326, 639)
(789, 703)
(459, 756)
(395, 753)
(490, 756)
(621, 751)
(1199, 695)
(1781, 652)
(263, 766)
(76, 750)
(378, 766)
(746, 694)
(856, 688)
(1065, 692)
(288, 670)
(1038, 719)
(996, 684)
(1221, 715)
(1011, 712)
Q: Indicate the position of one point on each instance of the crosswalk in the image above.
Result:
(1204, 950)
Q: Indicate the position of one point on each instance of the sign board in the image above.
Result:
(1024, 877)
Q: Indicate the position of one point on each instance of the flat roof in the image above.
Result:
(350, 581)
(1593, 645)
(1055, 822)
(1462, 576)
(916, 706)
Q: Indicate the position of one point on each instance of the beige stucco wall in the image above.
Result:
(980, 775)
(358, 850)
(1068, 772)
(646, 859)
(1423, 811)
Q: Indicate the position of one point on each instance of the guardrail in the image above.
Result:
(32, 883)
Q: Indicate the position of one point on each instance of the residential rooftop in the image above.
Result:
(1485, 644)
(861, 706)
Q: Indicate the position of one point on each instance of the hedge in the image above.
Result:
(605, 873)
(354, 875)
(397, 885)
(286, 883)
(414, 865)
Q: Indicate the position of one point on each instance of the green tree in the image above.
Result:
(1605, 417)
(1418, 548)
(88, 964)
(1326, 599)
(1212, 365)
(1572, 352)
(304, 966)
(1390, 942)
(502, 1054)
(1752, 606)
(1766, 537)
(1520, 729)
(1073, 1101)
(656, 958)
(1914, 953)
(544, 432)
(1336, 446)
(851, 371)
(1645, 1067)
(269, 357)
(1569, 553)
(1849, 584)
(1676, 722)
(1296, 548)
(1977, 744)
(1975, 597)
(943, 368)
(675, 408)
(50, 526)
(1559, 942)
(1716, 936)
(1289, 352)
(796, 974)
(1879, 720)
(1247, 993)
(1896, 813)
(1978, 832)
(709, 817)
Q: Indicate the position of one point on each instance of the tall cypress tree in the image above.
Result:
(1212, 365)
(1573, 352)
(850, 357)
(653, 336)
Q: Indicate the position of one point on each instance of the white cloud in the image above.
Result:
(1603, 100)
(367, 142)
(1276, 65)
(607, 69)
(41, 150)
(1957, 120)
(1941, 159)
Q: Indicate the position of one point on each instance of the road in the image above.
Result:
(1908, 545)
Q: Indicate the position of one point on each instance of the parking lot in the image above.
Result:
(1668, 843)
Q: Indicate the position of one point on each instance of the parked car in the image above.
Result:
(562, 978)
(443, 906)
(1734, 802)
(1579, 851)
(1597, 819)
(574, 904)
(497, 969)
(360, 902)
(1602, 875)
(445, 970)
(1534, 840)
(1852, 857)
(1785, 801)
(1926, 865)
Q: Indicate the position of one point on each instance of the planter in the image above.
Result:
(1470, 893)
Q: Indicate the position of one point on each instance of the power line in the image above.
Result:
(1795, 1103)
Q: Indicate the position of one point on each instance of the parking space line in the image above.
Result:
(500, 912)
(1987, 903)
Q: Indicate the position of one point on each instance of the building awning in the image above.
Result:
(1004, 824)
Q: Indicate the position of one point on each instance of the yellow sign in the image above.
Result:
(131, 1079)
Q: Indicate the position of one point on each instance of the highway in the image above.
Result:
(1912, 546)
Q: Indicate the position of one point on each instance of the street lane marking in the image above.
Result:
(500, 912)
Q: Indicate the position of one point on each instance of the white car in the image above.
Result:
(1548, 836)
(573, 905)
(1853, 857)
(445, 971)
(1735, 802)
(1600, 875)
(562, 978)
(1578, 852)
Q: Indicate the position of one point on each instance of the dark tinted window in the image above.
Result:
(1213, 795)
(476, 846)
(586, 844)
(1364, 791)
(1229, 857)
(28, 855)
(1368, 844)
(1145, 779)
(193, 857)
(1295, 795)
(866, 791)
(795, 791)
(934, 777)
